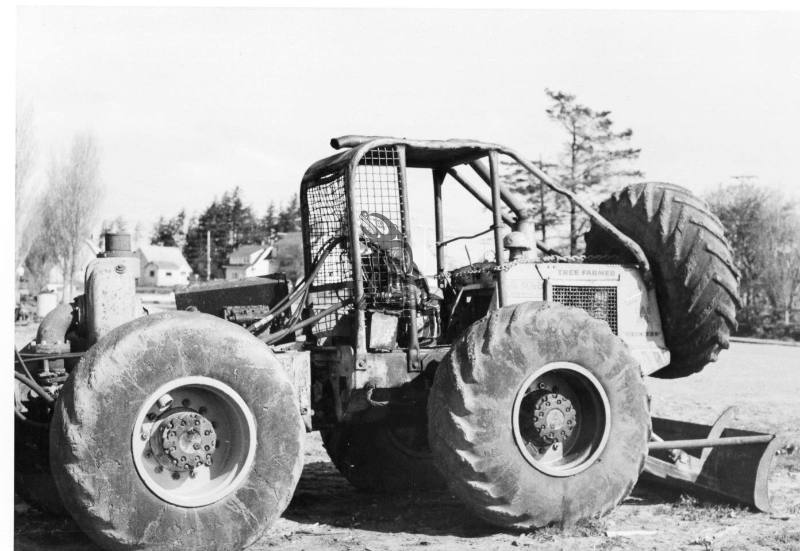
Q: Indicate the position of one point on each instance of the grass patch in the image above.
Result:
(691, 509)
(584, 528)
(785, 539)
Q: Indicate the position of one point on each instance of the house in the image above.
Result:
(249, 261)
(162, 266)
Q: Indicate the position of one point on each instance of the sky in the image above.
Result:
(187, 103)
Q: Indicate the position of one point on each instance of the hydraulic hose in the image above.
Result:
(274, 337)
(33, 385)
(301, 290)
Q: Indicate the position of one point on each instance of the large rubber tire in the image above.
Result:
(692, 263)
(91, 435)
(33, 481)
(376, 458)
(471, 405)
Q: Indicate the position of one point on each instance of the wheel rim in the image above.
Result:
(193, 441)
(561, 419)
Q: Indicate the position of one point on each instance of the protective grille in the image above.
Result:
(327, 217)
(385, 257)
(599, 302)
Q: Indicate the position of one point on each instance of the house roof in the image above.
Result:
(164, 257)
(245, 252)
(247, 249)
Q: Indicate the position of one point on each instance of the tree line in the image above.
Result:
(763, 226)
(230, 223)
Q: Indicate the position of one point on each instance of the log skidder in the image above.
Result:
(516, 380)
(539, 416)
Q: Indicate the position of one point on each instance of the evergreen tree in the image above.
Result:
(594, 154)
(170, 232)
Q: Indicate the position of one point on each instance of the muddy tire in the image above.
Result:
(33, 482)
(539, 416)
(112, 477)
(692, 262)
(378, 458)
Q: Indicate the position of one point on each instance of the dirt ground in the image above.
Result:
(327, 513)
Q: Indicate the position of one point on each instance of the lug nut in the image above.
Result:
(183, 422)
(183, 458)
(207, 433)
(196, 446)
(192, 474)
(197, 422)
(164, 402)
(144, 435)
(555, 446)
(207, 447)
(186, 466)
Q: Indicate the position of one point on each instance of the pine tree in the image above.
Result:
(594, 154)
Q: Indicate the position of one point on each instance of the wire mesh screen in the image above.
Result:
(328, 218)
(599, 302)
(385, 255)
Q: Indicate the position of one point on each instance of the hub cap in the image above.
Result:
(561, 419)
(193, 441)
(184, 440)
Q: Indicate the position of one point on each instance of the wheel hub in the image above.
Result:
(554, 417)
(184, 440)
(560, 418)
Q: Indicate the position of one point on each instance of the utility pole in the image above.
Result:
(208, 255)
(541, 204)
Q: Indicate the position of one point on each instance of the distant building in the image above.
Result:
(249, 261)
(162, 266)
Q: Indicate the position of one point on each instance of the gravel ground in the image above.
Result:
(327, 513)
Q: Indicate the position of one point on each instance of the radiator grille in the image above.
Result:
(599, 302)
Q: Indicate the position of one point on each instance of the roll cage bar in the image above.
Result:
(443, 156)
